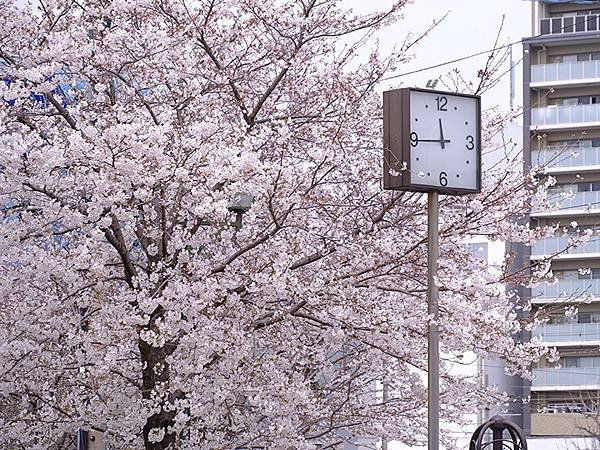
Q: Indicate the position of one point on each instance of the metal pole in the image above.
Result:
(433, 335)
(497, 433)
(82, 440)
(386, 397)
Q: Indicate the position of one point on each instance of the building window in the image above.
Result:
(595, 56)
(574, 143)
(588, 100)
(581, 361)
(584, 275)
(564, 58)
(573, 101)
(587, 187)
(581, 274)
(570, 361)
(584, 187)
(586, 13)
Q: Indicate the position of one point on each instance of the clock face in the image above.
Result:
(444, 141)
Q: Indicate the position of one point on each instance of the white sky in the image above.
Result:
(470, 27)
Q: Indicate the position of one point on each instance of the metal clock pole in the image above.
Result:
(413, 119)
(433, 334)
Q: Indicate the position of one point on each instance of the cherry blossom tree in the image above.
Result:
(196, 249)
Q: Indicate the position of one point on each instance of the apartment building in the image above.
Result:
(561, 131)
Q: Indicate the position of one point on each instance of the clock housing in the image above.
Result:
(432, 141)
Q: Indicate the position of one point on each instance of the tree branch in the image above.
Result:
(270, 318)
(114, 235)
(62, 111)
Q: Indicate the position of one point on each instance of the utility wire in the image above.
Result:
(450, 62)
(435, 66)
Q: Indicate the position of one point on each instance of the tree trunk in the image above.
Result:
(155, 373)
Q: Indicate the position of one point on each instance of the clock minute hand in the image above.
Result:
(442, 140)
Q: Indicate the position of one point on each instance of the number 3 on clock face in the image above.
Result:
(470, 142)
(444, 141)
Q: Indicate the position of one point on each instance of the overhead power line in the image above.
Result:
(450, 62)
(435, 66)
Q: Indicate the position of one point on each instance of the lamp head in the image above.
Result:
(242, 201)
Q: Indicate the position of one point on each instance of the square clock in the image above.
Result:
(432, 141)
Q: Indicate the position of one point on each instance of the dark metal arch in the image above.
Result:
(498, 425)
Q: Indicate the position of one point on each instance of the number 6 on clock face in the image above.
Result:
(443, 179)
(432, 140)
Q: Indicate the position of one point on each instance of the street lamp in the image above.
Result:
(241, 203)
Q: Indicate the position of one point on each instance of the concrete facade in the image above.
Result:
(561, 134)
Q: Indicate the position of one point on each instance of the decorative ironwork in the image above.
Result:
(505, 435)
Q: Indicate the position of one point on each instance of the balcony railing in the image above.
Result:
(576, 201)
(565, 115)
(568, 332)
(569, 71)
(566, 157)
(552, 245)
(566, 25)
(567, 289)
(566, 376)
